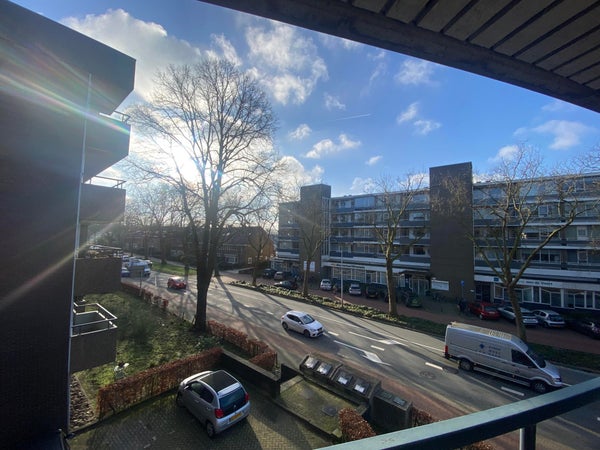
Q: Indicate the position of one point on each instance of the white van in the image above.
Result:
(499, 354)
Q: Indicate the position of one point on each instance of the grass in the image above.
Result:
(147, 336)
(172, 269)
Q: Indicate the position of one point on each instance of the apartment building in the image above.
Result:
(59, 93)
(442, 248)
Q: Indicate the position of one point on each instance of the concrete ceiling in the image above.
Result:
(547, 46)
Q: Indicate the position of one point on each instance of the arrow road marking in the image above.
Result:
(381, 341)
(369, 355)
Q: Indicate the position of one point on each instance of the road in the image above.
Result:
(409, 363)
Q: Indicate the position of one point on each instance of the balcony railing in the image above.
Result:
(93, 336)
(464, 430)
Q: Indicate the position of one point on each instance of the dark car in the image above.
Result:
(484, 310)
(282, 275)
(287, 284)
(216, 399)
(176, 283)
(376, 290)
(269, 273)
(586, 326)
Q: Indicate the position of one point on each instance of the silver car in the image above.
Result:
(215, 398)
(301, 322)
(529, 320)
(549, 319)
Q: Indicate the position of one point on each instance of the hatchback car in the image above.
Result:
(215, 398)
(176, 283)
(325, 284)
(484, 310)
(376, 290)
(586, 326)
(529, 320)
(287, 284)
(301, 322)
(549, 319)
(354, 289)
(269, 273)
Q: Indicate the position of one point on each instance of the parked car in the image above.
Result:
(376, 290)
(287, 284)
(125, 272)
(216, 398)
(269, 273)
(484, 310)
(301, 322)
(354, 289)
(508, 312)
(549, 319)
(325, 284)
(282, 275)
(176, 283)
(586, 326)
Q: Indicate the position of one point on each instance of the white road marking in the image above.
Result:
(381, 341)
(369, 355)
(511, 391)
(435, 366)
(333, 334)
(378, 348)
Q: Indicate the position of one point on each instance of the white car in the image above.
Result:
(325, 284)
(355, 289)
(549, 319)
(301, 322)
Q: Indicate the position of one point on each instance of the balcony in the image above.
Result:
(102, 203)
(107, 143)
(97, 275)
(93, 337)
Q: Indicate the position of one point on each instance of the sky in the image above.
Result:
(347, 113)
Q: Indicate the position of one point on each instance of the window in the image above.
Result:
(582, 233)
(582, 256)
(543, 211)
(419, 250)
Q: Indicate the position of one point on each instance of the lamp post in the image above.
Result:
(342, 275)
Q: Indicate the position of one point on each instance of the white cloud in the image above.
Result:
(334, 42)
(558, 106)
(328, 147)
(362, 185)
(332, 102)
(415, 72)
(409, 113)
(566, 134)
(152, 47)
(506, 153)
(300, 133)
(299, 175)
(424, 127)
(286, 61)
(373, 160)
(227, 50)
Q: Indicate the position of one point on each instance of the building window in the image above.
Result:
(551, 297)
(577, 299)
(582, 256)
(582, 233)
(419, 250)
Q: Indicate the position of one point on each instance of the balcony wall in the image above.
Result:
(93, 337)
(101, 203)
(97, 275)
(107, 143)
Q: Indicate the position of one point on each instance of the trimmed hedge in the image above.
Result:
(353, 426)
(149, 383)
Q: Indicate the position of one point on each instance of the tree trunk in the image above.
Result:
(514, 301)
(203, 281)
(389, 276)
(305, 279)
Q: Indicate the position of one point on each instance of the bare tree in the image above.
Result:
(516, 215)
(310, 218)
(394, 200)
(210, 128)
(260, 226)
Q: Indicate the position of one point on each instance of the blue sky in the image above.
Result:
(347, 113)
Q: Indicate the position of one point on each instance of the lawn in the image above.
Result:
(147, 336)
